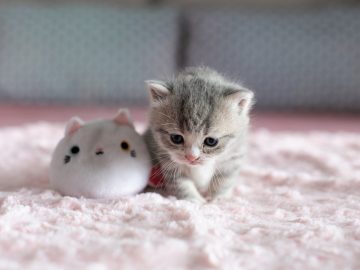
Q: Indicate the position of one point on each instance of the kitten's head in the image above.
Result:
(196, 117)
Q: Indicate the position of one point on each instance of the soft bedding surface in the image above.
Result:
(296, 206)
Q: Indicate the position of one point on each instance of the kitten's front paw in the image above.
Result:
(225, 194)
(196, 200)
(187, 191)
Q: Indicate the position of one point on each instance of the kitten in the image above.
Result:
(198, 127)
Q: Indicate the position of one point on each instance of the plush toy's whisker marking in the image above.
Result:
(67, 159)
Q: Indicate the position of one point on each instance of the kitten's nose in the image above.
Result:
(191, 157)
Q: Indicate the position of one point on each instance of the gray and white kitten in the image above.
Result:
(198, 128)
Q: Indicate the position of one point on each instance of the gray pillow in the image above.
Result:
(303, 59)
(82, 53)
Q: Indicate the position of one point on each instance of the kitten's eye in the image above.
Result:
(211, 142)
(176, 138)
(124, 145)
(75, 149)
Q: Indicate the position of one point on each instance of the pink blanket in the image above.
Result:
(296, 206)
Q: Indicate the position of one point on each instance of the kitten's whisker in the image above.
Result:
(172, 126)
(217, 180)
(167, 116)
(168, 124)
(164, 171)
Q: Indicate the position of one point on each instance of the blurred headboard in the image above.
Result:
(83, 53)
(292, 57)
(307, 58)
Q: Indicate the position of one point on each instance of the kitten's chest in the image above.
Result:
(201, 176)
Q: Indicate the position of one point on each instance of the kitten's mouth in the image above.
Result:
(191, 163)
(194, 163)
(186, 162)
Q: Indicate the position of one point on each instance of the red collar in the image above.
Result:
(156, 179)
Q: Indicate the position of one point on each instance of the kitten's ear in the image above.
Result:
(73, 125)
(123, 117)
(158, 91)
(242, 97)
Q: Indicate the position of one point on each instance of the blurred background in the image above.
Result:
(302, 57)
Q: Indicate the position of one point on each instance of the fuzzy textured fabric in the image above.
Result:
(297, 206)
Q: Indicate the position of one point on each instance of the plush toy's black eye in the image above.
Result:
(124, 145)
(211, 142)
(176, 138)
(75, 149)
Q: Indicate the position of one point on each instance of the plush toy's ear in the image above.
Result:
(242, 97)
(158, 91)
(73, 125)
(123, 117)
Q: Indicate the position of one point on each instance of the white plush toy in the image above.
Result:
(100, 159)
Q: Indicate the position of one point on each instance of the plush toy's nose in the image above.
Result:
(99, 151)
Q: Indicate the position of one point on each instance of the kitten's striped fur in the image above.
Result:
(199, 103)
